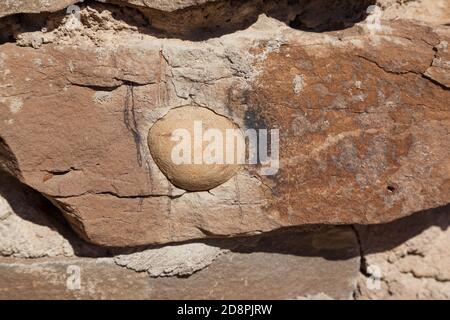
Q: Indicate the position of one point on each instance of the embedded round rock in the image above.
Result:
(189, 145)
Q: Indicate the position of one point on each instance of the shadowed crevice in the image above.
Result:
(200, 22)
(8, 161)
(325, 241)
(32, 206)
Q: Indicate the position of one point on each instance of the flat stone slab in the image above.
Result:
(290, 265)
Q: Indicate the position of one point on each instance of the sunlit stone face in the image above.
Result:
(196, 148)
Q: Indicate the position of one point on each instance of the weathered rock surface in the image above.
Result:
(26, 231)
(429, 11)
(363, 122)
(9, 7)
(199, 19)
(406, 259)
(31, 227)
(179, 260)
(290, 265)
(163, 5)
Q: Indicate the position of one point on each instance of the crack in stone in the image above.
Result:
(421, 74)
(109, 193)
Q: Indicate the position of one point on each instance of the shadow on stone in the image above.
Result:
(218, 18)
(205, 21)
(387, 236)
(328, 242)
(29, 205)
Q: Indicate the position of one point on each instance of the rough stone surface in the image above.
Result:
(296, 264)
(365, 110)
(192, 20)
(179, 260)
(409, 258)
(321, 263)
(429, 11)
(163, 5)
(26, 231)
(200, 169)
(364, 132)
(31, 227)
(9, 7)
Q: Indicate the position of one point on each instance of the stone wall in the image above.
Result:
(359, 208)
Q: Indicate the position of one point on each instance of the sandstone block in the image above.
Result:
(363, 123)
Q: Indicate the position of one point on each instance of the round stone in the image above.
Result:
(196, 148)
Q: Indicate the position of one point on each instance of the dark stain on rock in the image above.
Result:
(130, 121)
(342, 145)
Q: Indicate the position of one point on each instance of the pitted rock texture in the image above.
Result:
(180, 260)
(406, 259)
(26, 230)
(190, 20)
(31, 227)
(289, 265)
(429, 11)
(176, 143)
(163, 5)
(363, 122)
(9, 7)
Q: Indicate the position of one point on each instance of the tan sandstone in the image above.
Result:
(201, 166)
